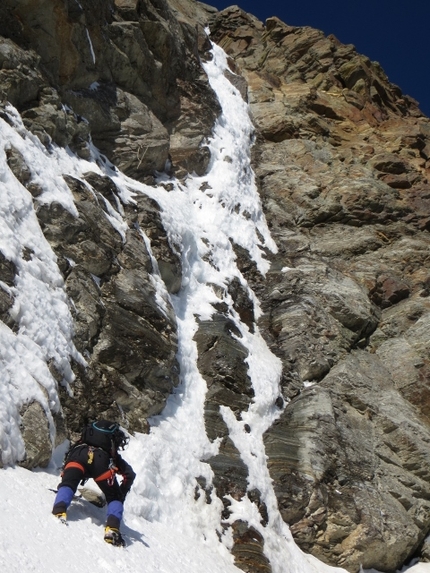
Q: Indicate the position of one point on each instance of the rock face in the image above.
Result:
(342, 161)
(130, 68)
(75, 73)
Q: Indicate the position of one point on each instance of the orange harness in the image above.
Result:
(108, 475)
(76, 465)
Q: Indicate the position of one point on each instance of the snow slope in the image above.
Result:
(168, 527)
(33, 540)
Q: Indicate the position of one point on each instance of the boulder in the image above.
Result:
(35, 432)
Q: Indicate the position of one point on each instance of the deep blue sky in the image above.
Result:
(396, 33)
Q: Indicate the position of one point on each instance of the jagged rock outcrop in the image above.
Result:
(342, 161)
(222, 364)
(128, 341)
(130, 69)
(126, 75)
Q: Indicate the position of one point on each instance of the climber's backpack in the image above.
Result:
(100, 434)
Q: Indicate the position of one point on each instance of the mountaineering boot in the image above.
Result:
(61, 516)
(113, 536)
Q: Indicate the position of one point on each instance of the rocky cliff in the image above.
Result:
(341, 158)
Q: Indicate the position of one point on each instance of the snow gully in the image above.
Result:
(204, 217)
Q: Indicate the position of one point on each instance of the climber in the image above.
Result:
(96, 456)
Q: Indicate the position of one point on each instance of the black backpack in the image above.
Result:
(100, 434)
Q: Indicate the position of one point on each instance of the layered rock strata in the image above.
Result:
(342, 163)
